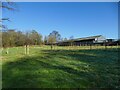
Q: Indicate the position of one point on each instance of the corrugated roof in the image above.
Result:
(84, 38)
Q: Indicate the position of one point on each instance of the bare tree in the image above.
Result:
(45, 40)
(53, 38)
(9, 6)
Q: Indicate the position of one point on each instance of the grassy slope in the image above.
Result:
(60, 68)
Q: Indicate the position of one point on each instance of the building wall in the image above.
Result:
(77, 43)
(100, 39)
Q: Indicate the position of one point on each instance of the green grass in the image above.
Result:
(63, 67)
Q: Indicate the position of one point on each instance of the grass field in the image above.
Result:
(63, 67)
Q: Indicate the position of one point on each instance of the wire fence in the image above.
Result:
(23, 50)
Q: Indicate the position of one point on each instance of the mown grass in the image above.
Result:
(62, 67)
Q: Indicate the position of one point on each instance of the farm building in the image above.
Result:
(99, 40)
(112, 42)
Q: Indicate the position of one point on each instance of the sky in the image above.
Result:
(78, 19)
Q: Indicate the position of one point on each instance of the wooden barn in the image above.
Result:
(99, 40)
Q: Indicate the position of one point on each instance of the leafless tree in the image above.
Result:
(9, 6)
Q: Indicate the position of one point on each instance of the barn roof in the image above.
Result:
(84, 38)
(87, 38)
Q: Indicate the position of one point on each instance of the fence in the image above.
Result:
(30, 49)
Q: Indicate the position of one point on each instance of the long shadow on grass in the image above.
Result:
(63, 69)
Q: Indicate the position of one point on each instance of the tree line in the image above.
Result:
(12, 38)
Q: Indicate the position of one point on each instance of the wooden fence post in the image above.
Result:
(7, 50)
(27, 49)
(90, 46)
(105, 46)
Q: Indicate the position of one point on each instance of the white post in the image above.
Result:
(27, 49)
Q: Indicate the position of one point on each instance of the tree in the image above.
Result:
(8, 38)
(35, 38)
(5, 39)
(9, 6)
(45, 40)
(12, 37)
(51, 39)
(55, 36)
(20, 39)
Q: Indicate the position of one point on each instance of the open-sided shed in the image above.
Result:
(99, 39)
